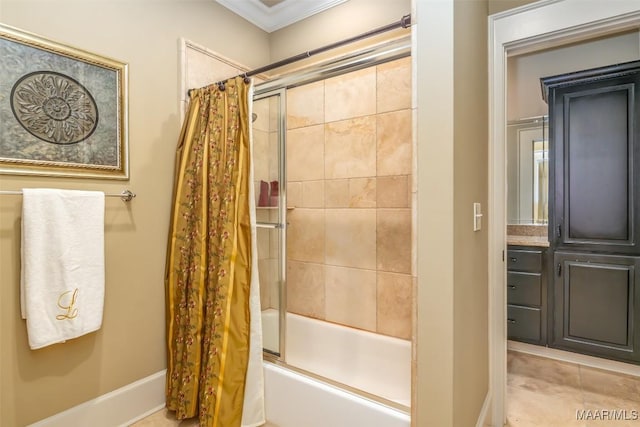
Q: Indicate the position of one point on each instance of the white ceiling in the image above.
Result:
(271, 15)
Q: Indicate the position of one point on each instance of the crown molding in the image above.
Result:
(279, 16)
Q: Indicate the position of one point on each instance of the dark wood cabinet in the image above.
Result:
(597, 301)
(594, 160)
(594, 210)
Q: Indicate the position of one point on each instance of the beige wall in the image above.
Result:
(130, 345)
(346, 20)
(452, 304)
(524, 97)
(496, 6)
(434, 325)
(452, 324)
(471, 286)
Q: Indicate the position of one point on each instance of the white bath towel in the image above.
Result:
(62, 278)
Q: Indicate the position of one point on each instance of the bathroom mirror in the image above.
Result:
(528, 171)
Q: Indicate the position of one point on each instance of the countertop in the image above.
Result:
(528, 241)
(528, 235)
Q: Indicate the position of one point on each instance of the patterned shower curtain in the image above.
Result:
(208, 268)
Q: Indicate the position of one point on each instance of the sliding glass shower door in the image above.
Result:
(270, 192)
(348, 292)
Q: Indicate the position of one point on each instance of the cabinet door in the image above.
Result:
(594, 135)
(596, 297)
(524, 324)
(524, 288)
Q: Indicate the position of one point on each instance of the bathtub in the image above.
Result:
(377, 364)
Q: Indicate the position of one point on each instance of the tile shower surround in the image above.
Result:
(349, 163)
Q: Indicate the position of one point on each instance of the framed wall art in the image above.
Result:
(63, 111)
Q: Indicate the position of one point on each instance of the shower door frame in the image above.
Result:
(380, 53)
(280, 225)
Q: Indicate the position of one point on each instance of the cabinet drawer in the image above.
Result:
(523, 288)
(520, 260)
(523, 323)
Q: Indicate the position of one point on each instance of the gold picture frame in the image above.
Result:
(63, 110)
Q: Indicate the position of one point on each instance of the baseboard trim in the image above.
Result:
(580, 359)
(121, 407)
(485, 411)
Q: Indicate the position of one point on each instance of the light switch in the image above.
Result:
(477, 217)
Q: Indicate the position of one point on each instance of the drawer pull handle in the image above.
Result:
(514, 259)
(511, 321)
(511, 286)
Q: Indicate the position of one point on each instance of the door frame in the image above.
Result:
(530, 28)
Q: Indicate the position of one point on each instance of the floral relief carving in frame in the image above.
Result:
(63, 111)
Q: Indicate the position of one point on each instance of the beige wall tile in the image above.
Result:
(350, 95)
(274, 215)
(264, 274)
(274, 283)
(274, 158)
(393, 245)
(313, 194)
(394, 143)
(393, 191)
(261, 109)
(394, 304)
(263, 237)
(350, 148)
(305, 153)
(306, 289)
(352, 164)
(274, 113)
(274, 243)
(351, 238)
(262, 215)
(306, 235)
(294, 194)
(362, 193)
(351, 297)
(394, 85)
(305, 105)
(260, 155)
(336, 193)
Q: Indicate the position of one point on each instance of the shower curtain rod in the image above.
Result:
(404, 22)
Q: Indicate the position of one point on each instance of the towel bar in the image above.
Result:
(125, 196)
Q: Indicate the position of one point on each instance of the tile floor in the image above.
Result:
(165, 418)
(549, 393)
(541, 392)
